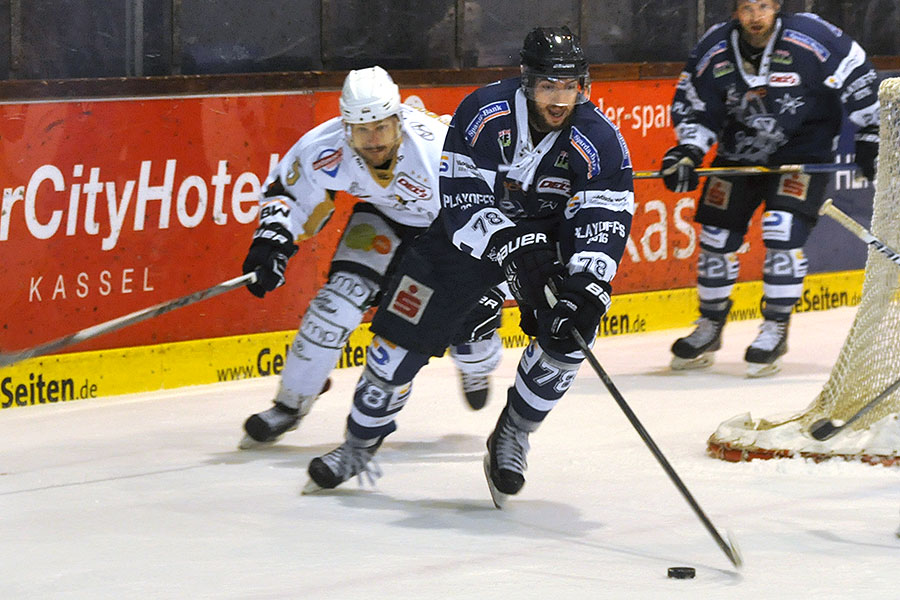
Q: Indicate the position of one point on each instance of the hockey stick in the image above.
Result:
(824, 429)
(828, 208)
(755, 170)
(729, 548)
(10, 358)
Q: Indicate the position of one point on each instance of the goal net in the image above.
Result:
(869, 361)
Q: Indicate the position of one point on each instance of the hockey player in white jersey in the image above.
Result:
(387, 154)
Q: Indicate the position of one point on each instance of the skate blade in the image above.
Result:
(248, 443)
(757, 370)
(311, 487)
(497, 496)
(686, 364)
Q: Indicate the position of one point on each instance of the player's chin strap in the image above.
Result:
(730, 547)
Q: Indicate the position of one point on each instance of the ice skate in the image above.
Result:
(267, 427)
(475, 389)
(353, 457)
(763, 354)
(504, 462)
(697, 350)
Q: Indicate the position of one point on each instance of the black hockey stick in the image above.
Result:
(730, 547)
(9, 358)
(755, 170)
(828, 208)
(824, 429)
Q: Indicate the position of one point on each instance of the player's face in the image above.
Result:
(376, 142)
(757, 19)
(554, 101)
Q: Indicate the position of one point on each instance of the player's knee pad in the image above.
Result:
(335, 312)
(716, 275)
(480, 357)
(541, 380)
(392, 363)
(375, 405)
(783, 274)
(720, 241)
(784, 230)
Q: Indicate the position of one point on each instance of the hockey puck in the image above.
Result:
(682, 572)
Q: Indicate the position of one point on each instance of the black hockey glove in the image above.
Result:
(581, 301)
(529, 261)
(679, 168)
(269, 252)
(867, 151)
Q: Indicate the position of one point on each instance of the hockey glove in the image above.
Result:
(679, 168)
(581, 301)
(867, 151)
(269, 252)
(529, 261)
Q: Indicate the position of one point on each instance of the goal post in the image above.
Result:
(869, 361)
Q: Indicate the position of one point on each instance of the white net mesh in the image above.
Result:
(869, 361)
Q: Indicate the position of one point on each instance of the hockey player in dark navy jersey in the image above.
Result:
(536, 190)
(770, 88)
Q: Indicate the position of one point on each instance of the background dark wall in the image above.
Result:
(63, 39)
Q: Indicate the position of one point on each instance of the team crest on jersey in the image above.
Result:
(422, 131)
(485, 114)
(505, 138)
(328, 161)
(412, 188)
(587, 151)
(718, 193)
(804, 41)
(789, 103)
(723, 68)
(562, 161)
(707, 58)
(782, 57)
(410, 300)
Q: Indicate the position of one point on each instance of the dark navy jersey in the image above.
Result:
(494, 178)
(790, 111)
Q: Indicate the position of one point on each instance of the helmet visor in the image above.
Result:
(556, 90)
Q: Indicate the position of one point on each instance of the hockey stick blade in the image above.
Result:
(10, 358)
(754, 170)
(825, 429)
(828, 208)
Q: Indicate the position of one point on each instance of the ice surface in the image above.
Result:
(146, 496)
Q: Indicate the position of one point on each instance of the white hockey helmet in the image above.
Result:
(369, 95)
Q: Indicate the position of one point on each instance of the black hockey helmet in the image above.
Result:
(553, 53)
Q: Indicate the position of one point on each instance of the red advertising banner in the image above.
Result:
(110, 206)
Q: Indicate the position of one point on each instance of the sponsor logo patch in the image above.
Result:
(554, 185)
(784, 79)
(703, 63)
(723, 68)
(410, 300)
(794, 185)
(412, 186)
(587, 151)
(328, 161)
(422, 131)
(718, 194)
(485, 114)
(804, 41)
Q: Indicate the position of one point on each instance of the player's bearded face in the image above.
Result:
(757, 19)
(553, 103)
(376, 142)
